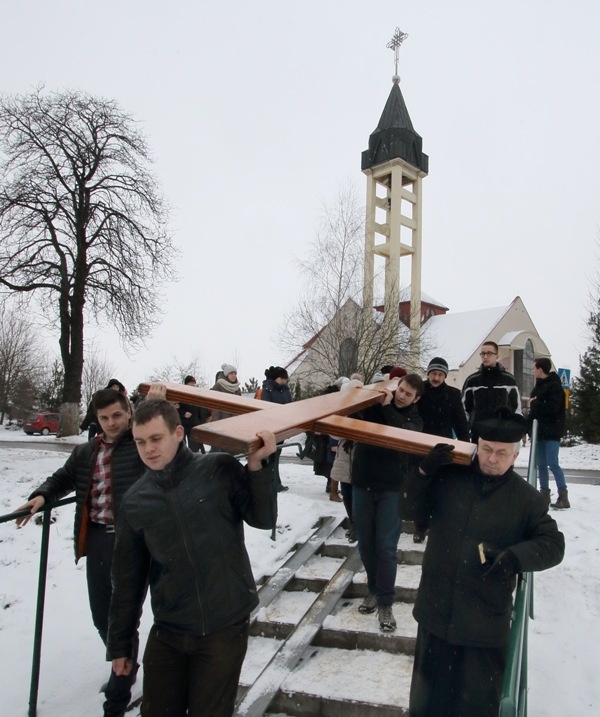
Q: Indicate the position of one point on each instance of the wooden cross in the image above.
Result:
(323, 414)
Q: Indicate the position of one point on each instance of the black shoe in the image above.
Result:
(282, 488)
(368, 605)
(387, 621)
(419, 536)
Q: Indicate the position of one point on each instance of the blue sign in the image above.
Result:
(565, 377)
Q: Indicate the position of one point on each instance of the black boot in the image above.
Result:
(563, 500)
(546, 495)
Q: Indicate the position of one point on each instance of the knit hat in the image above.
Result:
(505, 427)
(276, 372)
(438, 364)
(227, 368)
(398, 372)
(189, 379)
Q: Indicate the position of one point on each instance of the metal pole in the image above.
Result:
(39, 615)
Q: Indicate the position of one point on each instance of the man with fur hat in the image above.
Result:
(487, 525)
(276, 390)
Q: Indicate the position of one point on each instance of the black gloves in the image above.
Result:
(440, 455)
(503, 563)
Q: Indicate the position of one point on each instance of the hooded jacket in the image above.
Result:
(548, 406)
(181, 531)
(275, 392)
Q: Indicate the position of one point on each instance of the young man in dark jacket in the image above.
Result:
(377, 476)
(100, 472)
(547, 405)
(491, 387)
(487, 525)
(181, 532)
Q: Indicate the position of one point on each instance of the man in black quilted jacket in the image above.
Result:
(181, 532)
(100, 472)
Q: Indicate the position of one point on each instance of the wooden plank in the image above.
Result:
(208, 398)
(257, 699)
(238, 434)
(284, 574)
(400, 439)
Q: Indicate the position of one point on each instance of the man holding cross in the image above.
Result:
(377, 478)
(180, 531)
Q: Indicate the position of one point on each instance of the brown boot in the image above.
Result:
(333, 492)
(546, 495)
(563, 500)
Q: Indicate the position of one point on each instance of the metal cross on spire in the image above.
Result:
(394, 44)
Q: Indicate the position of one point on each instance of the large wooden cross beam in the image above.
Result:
(324, 414)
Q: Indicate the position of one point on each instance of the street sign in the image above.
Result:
(565, 377)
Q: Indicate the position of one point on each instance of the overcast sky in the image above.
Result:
(257, 113)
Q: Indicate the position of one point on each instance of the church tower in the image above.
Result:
(395, 165)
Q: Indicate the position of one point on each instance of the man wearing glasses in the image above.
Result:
(491, 387)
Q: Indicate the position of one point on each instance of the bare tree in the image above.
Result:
(21, 363)
(177, 369)
(82, 223)
(97, 372)
(328, 331)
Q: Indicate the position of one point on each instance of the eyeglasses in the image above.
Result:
(488, 353)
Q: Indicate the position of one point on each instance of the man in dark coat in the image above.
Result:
(486, 525)
(547, 405)
(491, 387)
(181, 532)
(100, 472)
(442, 412)
(377, 477)
(192, 416)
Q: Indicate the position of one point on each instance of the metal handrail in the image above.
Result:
(513, 701)
(46, 510)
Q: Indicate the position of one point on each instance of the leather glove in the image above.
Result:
(440, 455)
(503, 563)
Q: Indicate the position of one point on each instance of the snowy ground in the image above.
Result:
(563, 637)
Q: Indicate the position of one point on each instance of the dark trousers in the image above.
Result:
(378, 526)
(455, 681)
(193, 675)
(347, 498)
(192, 444)
(100, 546)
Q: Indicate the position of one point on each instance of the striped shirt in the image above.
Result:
(101, 493)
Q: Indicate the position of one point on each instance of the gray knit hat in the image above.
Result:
(227, 368)
(438, 364)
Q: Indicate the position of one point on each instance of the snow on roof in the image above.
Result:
(456, 336)
(425, 298)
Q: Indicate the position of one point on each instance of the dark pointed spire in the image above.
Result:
(395, 136)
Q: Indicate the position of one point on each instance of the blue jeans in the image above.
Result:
(378, 527)
(547, 457)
